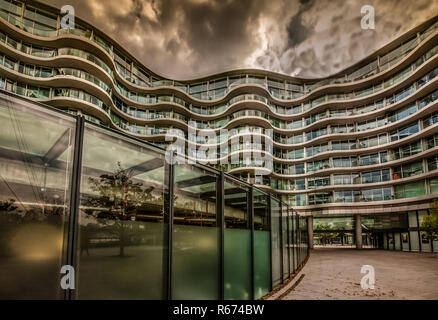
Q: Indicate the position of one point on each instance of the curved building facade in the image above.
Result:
(357, 151)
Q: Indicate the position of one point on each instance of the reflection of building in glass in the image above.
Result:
(133, 225)
(357, 147)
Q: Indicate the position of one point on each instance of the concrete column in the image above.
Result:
(310, 231)
(358, 230)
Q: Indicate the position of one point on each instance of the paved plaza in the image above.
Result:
(332, 274)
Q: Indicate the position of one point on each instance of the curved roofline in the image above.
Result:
(256, 71)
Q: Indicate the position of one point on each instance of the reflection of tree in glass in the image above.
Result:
(7, 205)
(122, 196)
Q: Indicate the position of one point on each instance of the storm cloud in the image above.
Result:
(194, 38)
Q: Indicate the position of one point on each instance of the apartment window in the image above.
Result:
(320, 198)
(401, 95)
(294, 124)
(295, 154)
(371, 124)
(345, 162)
(432, 163)
(345, 178)
(342, 128)
(404, 132)
(407, 150)
(369, 159)
(377, 194)
(315, 134)
(432, 141)
(433, 185)
(376, 176)
(314, 118)
(431, 120)
(318, 165)
(346, 196)
(408, 170)
(314, 150)
(344, 145)
(300, 184)
(402, 113)
(409, 190)
(317, 182)
(369, 142)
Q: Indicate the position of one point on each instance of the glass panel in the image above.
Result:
(237, 243)
(121, 231)
(284, 228)
(36, 150)
(414, 241)
(262, 253)
(397, 241)
(405, 241)
(195, 235)
(275, 242)
(290, 244)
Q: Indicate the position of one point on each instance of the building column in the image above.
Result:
(310, 231)
(358, 230)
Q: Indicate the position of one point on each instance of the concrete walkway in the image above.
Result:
(332, 274)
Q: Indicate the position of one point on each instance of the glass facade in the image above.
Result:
(401, 231)
(133, 224)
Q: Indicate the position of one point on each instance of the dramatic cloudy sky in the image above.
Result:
(184, 39)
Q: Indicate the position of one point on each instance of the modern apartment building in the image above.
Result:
(357, 152)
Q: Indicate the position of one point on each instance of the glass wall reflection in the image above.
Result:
(195, 260)
(121, 225)
(36, 149)
(121, 234)
(237, 242)
(262, 254)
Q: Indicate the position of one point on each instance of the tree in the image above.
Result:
(429, 226)
(121, 196)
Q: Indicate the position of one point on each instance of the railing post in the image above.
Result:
(281, 243)
(270, 241)
(287, 240)
(75, 199)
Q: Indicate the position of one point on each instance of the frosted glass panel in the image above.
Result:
(405, 241)
(397, 241)
(261, 263)
(414, 241)
(425, 244)
(435, 246)
(195, 256)
(195, 263)
(237, 245)
(121, 245)
(276, 243)
(35, 168)
(285, 250)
